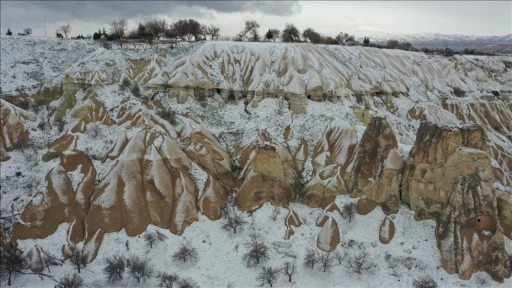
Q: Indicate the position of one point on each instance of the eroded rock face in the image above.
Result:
(367, 168)
(149, 184)
(268, 174)
(14, 130)
(65, 199)
(386, 231)
(425, 180)
(468, 232)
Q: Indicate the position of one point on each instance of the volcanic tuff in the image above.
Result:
(222, 123)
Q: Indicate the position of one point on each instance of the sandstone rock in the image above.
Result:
(214, 198)
(268, 174)
(138, 191)
(468, 232)
(91, 111)
(425, 181)
(386, 231)
(329, 236)
(14, 130)
(291, 220)
(34, 259)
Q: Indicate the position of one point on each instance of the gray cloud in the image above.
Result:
(102, 12)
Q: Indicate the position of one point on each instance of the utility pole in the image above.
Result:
(44, 20)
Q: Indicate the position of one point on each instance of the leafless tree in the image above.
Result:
(50, 260)
(310, 258)
(349, 210)
(27, 31)
(70, 281)
(325, 260)
(114, 268)
(233, 220)
(344, 39)
(187, 283)
(150, 238)
(289, 270)
(258, 251)
(359, 262)
(186, 253)
(312, 36)
(77, 259)
(213, 32)
(156, 27)
(252, 27)
(139, 268)
(11, 263)
(118, 27)
(291, 33)
(268, 275)
(424, 282)
(339, 257)
(168, 280)
(65, 29)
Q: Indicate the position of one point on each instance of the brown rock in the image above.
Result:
(214, 198)
(386, 231)
(329, 236)
(13, 121)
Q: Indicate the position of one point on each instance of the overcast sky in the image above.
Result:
(329, 17)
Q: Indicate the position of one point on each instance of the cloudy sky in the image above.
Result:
(329, 17)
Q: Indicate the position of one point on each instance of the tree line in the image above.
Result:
(192, 30)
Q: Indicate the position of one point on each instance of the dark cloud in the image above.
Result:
(14, 13)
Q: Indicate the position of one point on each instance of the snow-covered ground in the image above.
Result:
(410, 255)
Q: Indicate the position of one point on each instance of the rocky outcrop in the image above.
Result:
(267, 174)
(468, 232)
(64, 200)
(91, 111)
(14, 130)
(149, 184)
(386, 231)
(369, 169)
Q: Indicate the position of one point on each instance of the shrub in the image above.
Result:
(268, 275)
(424, 282)
(310, 259)
(140, 269)
(289, 270)
(70, 281)
(187, 283)
(258, 251)
(169, 115)
(359, 262)
(136, 91)
(114, 268)
(186, 253)
(168, 280)
(349, 210)
(125, 84)
(234, 221)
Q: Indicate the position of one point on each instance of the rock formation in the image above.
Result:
(14, 127)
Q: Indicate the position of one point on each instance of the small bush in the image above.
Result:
(136, 91)
(258, 251)
(125, 84)
(359, 262)
(234, 221)
(186, 253)
(424, 282)
(310, 259)
(268, 275)
(140, 269)
(114, 268)
(70, 281)
(187, 283)
(150, 238)
(169, 115)
(168, 280)
(349, 210)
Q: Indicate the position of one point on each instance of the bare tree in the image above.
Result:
(258, 251)
(27, 31)
(213, 32)
(289, 270)
(168, 280)
(344, 39)
(65, 29)
(313, 36)
(325, 260)
(424, 282)
(77, 259)
(291, 33)
(150, 238)
(114, 268)
(70, 281)
(275, 34)
(185, 253)
(339, 257)
(11, 263)
(187, 283)
(359, 262)
(234, 220)
(349, 210)
(268, 275)
(156, 27)
(252, 27)
(310, 258)
(118, 27)
(50, 260)
(140, 269)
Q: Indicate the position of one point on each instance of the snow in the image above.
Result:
(37, 63)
